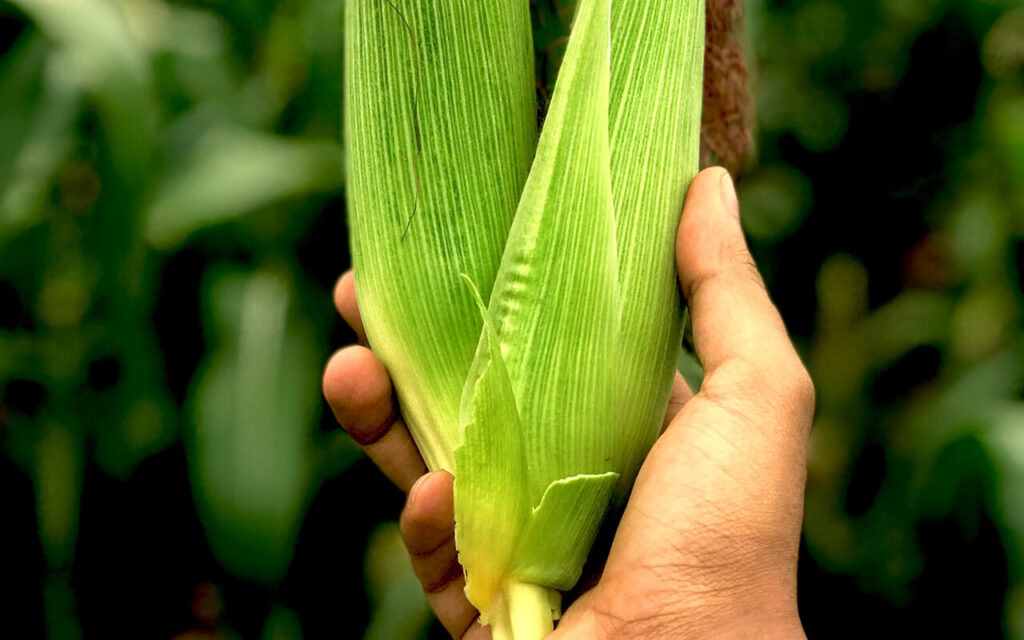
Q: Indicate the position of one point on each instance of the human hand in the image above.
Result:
(707, 546)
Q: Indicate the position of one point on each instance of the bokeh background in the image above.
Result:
(172, 221)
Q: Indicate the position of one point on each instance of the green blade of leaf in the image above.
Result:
(99, 55)
(248, 440)
(232, 172)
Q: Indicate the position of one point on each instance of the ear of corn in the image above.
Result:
(440, 128)
(531, 324)
(654, 130)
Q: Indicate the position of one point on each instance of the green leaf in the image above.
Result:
(38, 108)
(98, 54)
(232, 172)
(248, 443)
(400, 609)
(58, 466)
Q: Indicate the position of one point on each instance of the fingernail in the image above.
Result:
(729, 199)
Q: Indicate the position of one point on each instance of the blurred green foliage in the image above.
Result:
(171, 223)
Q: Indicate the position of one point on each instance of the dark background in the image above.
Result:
(172, 221)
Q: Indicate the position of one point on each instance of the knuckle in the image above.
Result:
(786, 387)
(407, 522)
(411, 525)
(696, 283)
(798, 389)
(745, 266)
(802, 385)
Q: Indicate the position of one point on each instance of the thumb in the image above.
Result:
(733, 317)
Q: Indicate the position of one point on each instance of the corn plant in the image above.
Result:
(522, 291)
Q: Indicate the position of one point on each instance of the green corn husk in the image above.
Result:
(529, 315)
(440, 128)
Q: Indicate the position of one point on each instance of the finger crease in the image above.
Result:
(367, 437)
(468, 627)
(432, 550)
(453, 573)
(422, 554)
